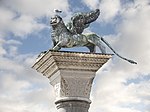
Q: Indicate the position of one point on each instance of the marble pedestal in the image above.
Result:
(71, 74)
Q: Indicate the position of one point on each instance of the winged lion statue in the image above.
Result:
(71, 34)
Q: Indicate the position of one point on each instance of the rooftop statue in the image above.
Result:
(71, 34)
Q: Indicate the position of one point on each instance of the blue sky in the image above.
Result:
(118, 86)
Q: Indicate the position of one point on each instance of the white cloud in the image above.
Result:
(2, 50)
(114, 92)
(134, 36)
(6, 16)
(25, 25)
(22, 88)
(13, 42)
(19, 26)
(93, 4)
(9, 65)
(109, 8)
(9, 47)
(20, 17)
(36, 8)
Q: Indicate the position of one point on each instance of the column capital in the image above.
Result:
(71, 74)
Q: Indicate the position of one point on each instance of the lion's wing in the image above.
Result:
(80, 21)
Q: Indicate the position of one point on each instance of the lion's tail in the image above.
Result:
(130, 61)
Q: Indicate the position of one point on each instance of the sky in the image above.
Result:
(118, 86)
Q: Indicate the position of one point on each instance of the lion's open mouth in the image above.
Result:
(53, 22)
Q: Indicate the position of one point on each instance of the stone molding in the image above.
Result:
(52, 61)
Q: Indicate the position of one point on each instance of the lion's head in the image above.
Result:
(55, 20)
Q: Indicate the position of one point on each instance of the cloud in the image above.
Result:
(19, 26)
(91, 3)
(13, 42)
(5, 19)
(22, 87)
(25, 25)
(2, 50)
(134, 35)
(42, 8)
(21, 18)
(109, 8)
(124, 87)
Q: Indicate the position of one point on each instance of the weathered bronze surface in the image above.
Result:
(71, 35)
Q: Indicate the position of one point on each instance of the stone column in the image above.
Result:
(71, 74)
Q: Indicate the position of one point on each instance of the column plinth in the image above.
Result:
(71, 74)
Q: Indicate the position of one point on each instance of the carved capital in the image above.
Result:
(71, 73)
